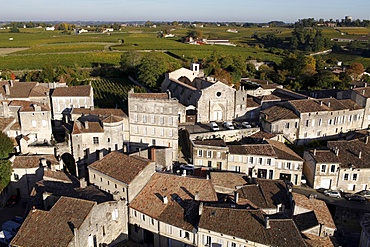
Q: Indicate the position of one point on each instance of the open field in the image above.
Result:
(34, 48)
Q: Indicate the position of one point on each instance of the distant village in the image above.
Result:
(200, 164)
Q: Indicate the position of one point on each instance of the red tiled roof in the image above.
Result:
(149, 95)
(253, 149)
(6, 122)
(73, 91)
(227, 179)
(120, 166)
(178, 190)
(93, 127)
(276, 113)
(283, 151)
(32, 161)
(54, 227)
(98, 111)
(18, 90)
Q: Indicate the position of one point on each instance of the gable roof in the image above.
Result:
(253, 149)
(98, 111)
(312, 105)
(276, 113)
(249, 225)
(283, 151)
(180, 192)
(349, 153)
(73, 91)
(227, 179)
(324, 156)
(6, 122)
(265, 193)
(319, 207)
(33, 161)
(211, 142)
(120, 166)
(18, 90)
(92, 127)
(66, 214)
(154, 96)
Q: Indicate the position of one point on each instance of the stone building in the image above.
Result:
(312, 216)
(344, 165)
(245, 227)
(165, 213)
(211, 153)
(27, 170)
(74, 222)
(212, 99)
(64, 99)
(153, 120)
(121, 175)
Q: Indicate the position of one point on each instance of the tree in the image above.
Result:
(151, 69)
(6, 148)
(130, 61)
(356, 70)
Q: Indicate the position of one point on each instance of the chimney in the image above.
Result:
(7, 89)
(359, 154)
(86, 125)
(165, 200)
(314, 152)
(267, 222)
(366, 139)
(169, 94)
(320, 103)
(207, 177)
(92, 107)
(6, 111)
(236, 197)
(200, 208)
(152, 154)
(196, 197)
(11, 83)
(336, 151)
(36, 107)
(184, 173)
(101, 154)
(363, 92)
(329, 104)
(365, 84)
(83, 183)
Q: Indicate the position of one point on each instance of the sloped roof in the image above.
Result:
(180, 192)
(32, 161)
(253, 149)
(265, 193)
(312, 105)
(54, 227)
(6, 122)
(276, 113)
(98, 111)
(317, 206)
(324, 156)
(120, 166)
(249, 225)
(149, 95)
(349, 153)
(18, 90)
(73, 91)
(211, 142)
(93, 127)
(283, 151)
(227, 179)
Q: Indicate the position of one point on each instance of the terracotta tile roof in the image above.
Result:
(283, 151)
(211, 142)
(32, 161)
(265, 193)
(6, 122)
(18, 90)
(98, 111)
(324, 156)
(249, 225)
(39, 91)
(364, 91)
(306, 220)
(276, 113)
(269, 97)
(252, 103)
(64, 215)
(349, 153)
(73, 91)
(31, 107)
(312, 105)
(262, 135)
(57, 176)
(316, 241)
(121, 166)
(93, 127)
(253, 149)
(149, 95)
(317, 206)
(180, 192)
(350, 104)
(16, 126)
(112, 119)
(20, 103)
(227, 179)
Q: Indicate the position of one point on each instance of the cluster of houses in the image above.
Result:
(104, 177)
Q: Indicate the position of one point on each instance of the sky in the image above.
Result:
(184, 10)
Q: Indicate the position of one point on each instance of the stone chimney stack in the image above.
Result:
(101, 154)
(366, 139)
(7, 89)
(314, 152)
(165, 200)
(86, 125)
(359, 154)
(236, 197)
(200, 208)
(196, 196)
(267, 222)
(329, 104)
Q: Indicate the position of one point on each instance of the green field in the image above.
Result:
(41, 48)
